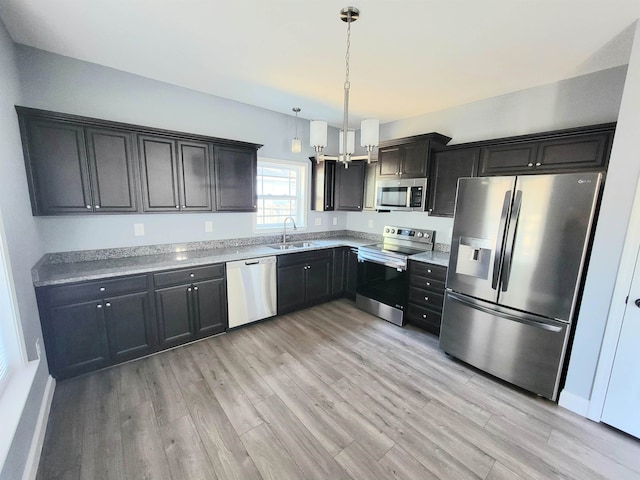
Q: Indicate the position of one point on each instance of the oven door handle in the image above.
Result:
(381, 259)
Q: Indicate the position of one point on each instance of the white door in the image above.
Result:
(622, 403)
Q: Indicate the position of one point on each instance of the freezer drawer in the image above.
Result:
(522, 349)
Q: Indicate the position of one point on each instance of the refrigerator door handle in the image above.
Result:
(508, 316)
(500, 239)
(511, 238)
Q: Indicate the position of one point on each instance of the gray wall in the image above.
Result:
(63, 84)
(23, 244)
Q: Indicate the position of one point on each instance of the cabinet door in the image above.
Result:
(350, 186)
(130, 326)
(508, 159)
(370, 177)
(236, 171)
(351, 277)
(111, 166)
(291, 288)
(322, 185)
(339, 269)
(578, 152)
(57, 167)
(389, 159)
(195, 176)
(446, 168)
(78, 338)
(159, 173)
(174, 307)
(210, 302)
(318, 281)
(415, 160)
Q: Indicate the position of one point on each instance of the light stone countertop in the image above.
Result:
(63, 271)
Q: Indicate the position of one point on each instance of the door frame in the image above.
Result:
(615, 318)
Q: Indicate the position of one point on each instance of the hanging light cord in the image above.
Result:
(347, 85)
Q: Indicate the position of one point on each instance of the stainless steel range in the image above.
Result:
(382, 271)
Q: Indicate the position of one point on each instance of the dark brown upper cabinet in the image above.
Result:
(175, 174)
(370, 177)
(236, 173)
(323, 182)
(85, 165)
(576, 149)
(408, 157)
(350, 186)
(72, 169)
(446, 168)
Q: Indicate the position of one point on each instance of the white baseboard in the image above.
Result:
(573, 402)
(33, 460)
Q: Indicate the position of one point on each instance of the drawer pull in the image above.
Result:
(102, 289)
(99, 305)
(426, 298)
(429, 270)
(195, 288)
(107, 304)
(428, 284)
(424, 315)
(192, 275)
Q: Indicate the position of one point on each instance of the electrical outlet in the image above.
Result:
(138, 229)
(318, 221)
(38, 352)
(208, 226)
(370, 223)
(335, 220)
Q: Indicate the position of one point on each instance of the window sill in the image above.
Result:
(12, 401)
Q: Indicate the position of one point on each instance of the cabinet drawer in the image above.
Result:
(96, 289)
(425, 318)
(287, 259)
(426, 298)
(188, 275)
(428, 270)
(427, 283)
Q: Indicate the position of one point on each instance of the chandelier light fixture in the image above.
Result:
(296, 145)
(369, 129)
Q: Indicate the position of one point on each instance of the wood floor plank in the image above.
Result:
(185, 453)
(142, 448)
(271, 458)
(326, 392)
(228, 455)
(300, 444)
(102, 456)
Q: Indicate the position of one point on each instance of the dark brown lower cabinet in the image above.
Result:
(426, 295)
(304, 279)
(91, 325)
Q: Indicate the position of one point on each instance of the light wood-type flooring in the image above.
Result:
(325, 393)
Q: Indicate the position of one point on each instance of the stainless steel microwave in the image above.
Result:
(407, 195)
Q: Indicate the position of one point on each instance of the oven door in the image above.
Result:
(382, 290)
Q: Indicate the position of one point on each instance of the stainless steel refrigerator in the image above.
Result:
(518, 253)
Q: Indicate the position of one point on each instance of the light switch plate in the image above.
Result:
(335, 220)
(370, 223)
(208, 226)
(138, 229)
(318, 221)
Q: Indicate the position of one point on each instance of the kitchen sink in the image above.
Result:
(292, 245)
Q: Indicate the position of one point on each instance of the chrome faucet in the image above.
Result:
(284, 229)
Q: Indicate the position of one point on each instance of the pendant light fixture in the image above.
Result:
(296, 145)
(369, 129)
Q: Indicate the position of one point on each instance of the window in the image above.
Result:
(281, 193)
(8, 340)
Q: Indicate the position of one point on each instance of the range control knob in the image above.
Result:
(426, 235)
(393, 230)
(419, 234)
(386, 230)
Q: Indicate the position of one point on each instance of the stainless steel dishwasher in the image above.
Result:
(251, 290)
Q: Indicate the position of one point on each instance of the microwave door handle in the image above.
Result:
(506, 203)
(511, 240)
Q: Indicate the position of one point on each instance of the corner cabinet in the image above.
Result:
(446, 168)
(81, 165)
(236, 171)
(408, 157)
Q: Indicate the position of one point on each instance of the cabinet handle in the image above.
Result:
(97, 207)
(529, 164)
(195, 288)
(428, 284)
(184, 206)
(99, 305)
(89, 207)
(107, 304)
(426, 298)
(189, 289)
(102, 289)
(428, 270)
(192, 275)
(178, 207)
(538, 164)
(424, 316)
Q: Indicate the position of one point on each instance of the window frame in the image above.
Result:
(302, 192)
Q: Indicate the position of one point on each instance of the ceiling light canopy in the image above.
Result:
(369, 129)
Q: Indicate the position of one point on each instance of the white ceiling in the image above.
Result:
(408, 57)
